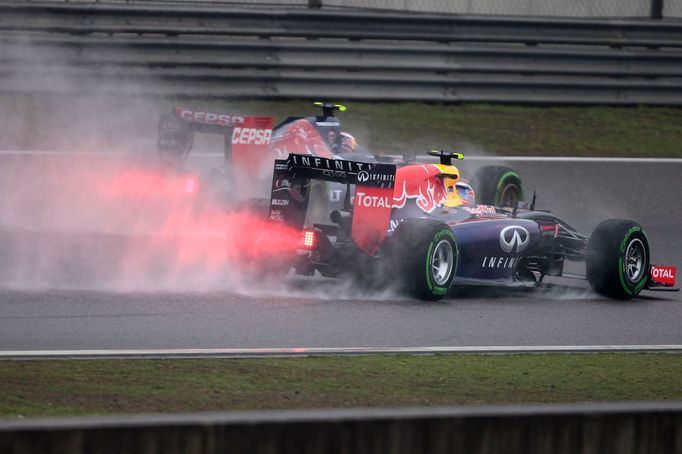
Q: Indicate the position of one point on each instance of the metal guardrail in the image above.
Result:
(655, 9)
(533, 429)
(216, 52)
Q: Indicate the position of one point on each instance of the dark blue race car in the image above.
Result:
(418, 227)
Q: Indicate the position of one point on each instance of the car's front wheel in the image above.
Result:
(618, 259)
(426, 255)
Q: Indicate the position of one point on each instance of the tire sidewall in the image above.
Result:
(411, 250)
(431, 287)
(606, 257)
(633, 288)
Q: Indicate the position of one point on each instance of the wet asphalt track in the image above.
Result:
(324, 313)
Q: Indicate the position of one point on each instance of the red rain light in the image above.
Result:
(309, 239)
(190, 185)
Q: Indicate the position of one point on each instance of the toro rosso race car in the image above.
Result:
(418, 226)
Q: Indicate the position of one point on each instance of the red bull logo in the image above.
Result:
(420, 183)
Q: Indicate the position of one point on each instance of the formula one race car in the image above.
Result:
(420, 226)
(413, 226)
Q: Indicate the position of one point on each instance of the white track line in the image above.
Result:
(275, 352)
(398, 157)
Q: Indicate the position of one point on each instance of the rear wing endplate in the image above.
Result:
(246, 140)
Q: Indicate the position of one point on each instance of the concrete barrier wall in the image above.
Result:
(606, 428)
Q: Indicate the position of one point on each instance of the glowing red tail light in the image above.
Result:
(308, 239)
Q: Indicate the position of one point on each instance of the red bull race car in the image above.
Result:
(418, 227)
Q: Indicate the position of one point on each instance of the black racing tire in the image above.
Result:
(618, 259)
(497, 186)
(426, 255)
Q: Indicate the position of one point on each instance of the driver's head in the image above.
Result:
(466, 193)
(451, 193)
(450, 177)
(348, 143)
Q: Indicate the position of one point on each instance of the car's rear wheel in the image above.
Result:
(426, 255)
(618, 259)
(498, 186)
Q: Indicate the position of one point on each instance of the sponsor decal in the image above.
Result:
(328, 164)
(276, 215)
(514, 238)
(632, 230)
(372, 201)
(368, 174)
(208, 118)
(334, 174)
(394, 224)
(335, 195)
(420, 183)
(281, 183)
(327, 123)
(499, 262)
(663, 274)
(480, 209)
(280, 202)
(251, 136)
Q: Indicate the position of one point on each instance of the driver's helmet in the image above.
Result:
(452, 198)
(458, 193)
(450, 178)
(348, 144)
(466, 193)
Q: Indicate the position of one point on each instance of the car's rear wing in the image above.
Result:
(373, 197)
(246, 139)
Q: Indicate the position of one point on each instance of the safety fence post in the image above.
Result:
(656, 9)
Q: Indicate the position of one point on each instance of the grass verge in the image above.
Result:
(94, 123)
(87, 387)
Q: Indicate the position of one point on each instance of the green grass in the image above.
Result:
(86, 387)
(502, 130)
(130, 124)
